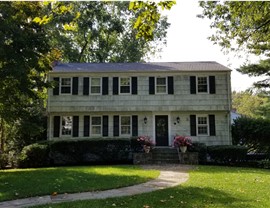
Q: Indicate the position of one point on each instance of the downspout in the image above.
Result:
(230, 106)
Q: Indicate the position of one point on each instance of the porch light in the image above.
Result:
(178, 119)
(145, 120)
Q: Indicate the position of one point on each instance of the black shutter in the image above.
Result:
(56, 86)
(75, 85)
(86, 86)
(212, 125)
(192, 85)
(151, 85)
(105, 85)
(212, 84)
(193, 129)
(105, 126)
(115, 125)
(56, 126)
(170, 86)
(134, 85)
(115, 85)
(75, 126)
(86, 126)
(134, 125)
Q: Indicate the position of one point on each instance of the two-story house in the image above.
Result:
(94, 100)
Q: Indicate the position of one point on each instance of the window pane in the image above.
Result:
(66, 81)
(65, 90)
(95, 81)
(202, 120)
(202, 84)
(66, 125)
(95, 89)
(125, 120)
(96, 129)
(161, 81)
(125, 129)
(202, 130)
(124, 89)
(161, 89)
(96, 120)
(124, 81)
(202, 88)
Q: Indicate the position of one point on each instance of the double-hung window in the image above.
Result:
(95, 85)
(65, 85)
(124, 85)
(161, 85)
(125, 125)
(202, 86)
(202, 125)
(66, 125)
(96, 125)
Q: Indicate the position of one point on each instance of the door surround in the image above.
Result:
(169, 125)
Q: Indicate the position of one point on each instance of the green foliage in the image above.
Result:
(3, 160)
(201, 148)
(34, 155)
(250, 104)
(265, 163)
(22, 183)
(246, 25)
(227, 154)
(252, 133)
(85, 151)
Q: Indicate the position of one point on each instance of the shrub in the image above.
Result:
(87, 151)
(253, 133)
(264, 164)
(3, 160)
(34, 155)
(135, 145)
(201, 149)
(227, 154)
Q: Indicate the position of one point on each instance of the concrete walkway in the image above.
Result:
(170, 175)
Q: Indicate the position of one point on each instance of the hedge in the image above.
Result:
(87, 151)
(227, 154)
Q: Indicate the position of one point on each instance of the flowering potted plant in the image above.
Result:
(146, 142)
(182, 142)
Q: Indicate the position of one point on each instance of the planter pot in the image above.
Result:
(146, 149)
(183, 148)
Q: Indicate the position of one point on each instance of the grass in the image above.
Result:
(21, 183)
(208, 187)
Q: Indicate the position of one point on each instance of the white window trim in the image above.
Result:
(119, 88)
(197, 124)
(120, 125)
(61, 126)
(90, 85)
(91, 125)
(197, 84)
(60, 88)
(166, 85)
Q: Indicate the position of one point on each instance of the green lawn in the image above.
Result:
(21, 183)
(207, 187)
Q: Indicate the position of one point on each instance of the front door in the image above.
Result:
(161, 125)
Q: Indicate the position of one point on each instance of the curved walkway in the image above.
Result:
(170, 175)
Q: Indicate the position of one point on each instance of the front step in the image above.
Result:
(164, 155)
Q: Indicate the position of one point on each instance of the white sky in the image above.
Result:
(187, 41)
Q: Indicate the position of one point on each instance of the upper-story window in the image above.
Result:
(95, 85)
(202, 85)
(161, 85)
(66, 125)
(202, 124)
(125, 125)
(65, 85)
(96, 125)
(124, 85)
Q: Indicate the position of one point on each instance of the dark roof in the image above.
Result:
(140, 67)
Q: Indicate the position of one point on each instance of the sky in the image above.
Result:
(187, 41)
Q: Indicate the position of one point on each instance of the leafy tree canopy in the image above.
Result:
(242, 25)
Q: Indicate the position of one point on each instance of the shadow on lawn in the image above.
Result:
(22, 184)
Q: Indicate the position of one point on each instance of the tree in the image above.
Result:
(242, 25)
(25, 57)
(251, 104)
(103, 33)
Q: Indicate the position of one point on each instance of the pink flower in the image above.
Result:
(182, 141)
